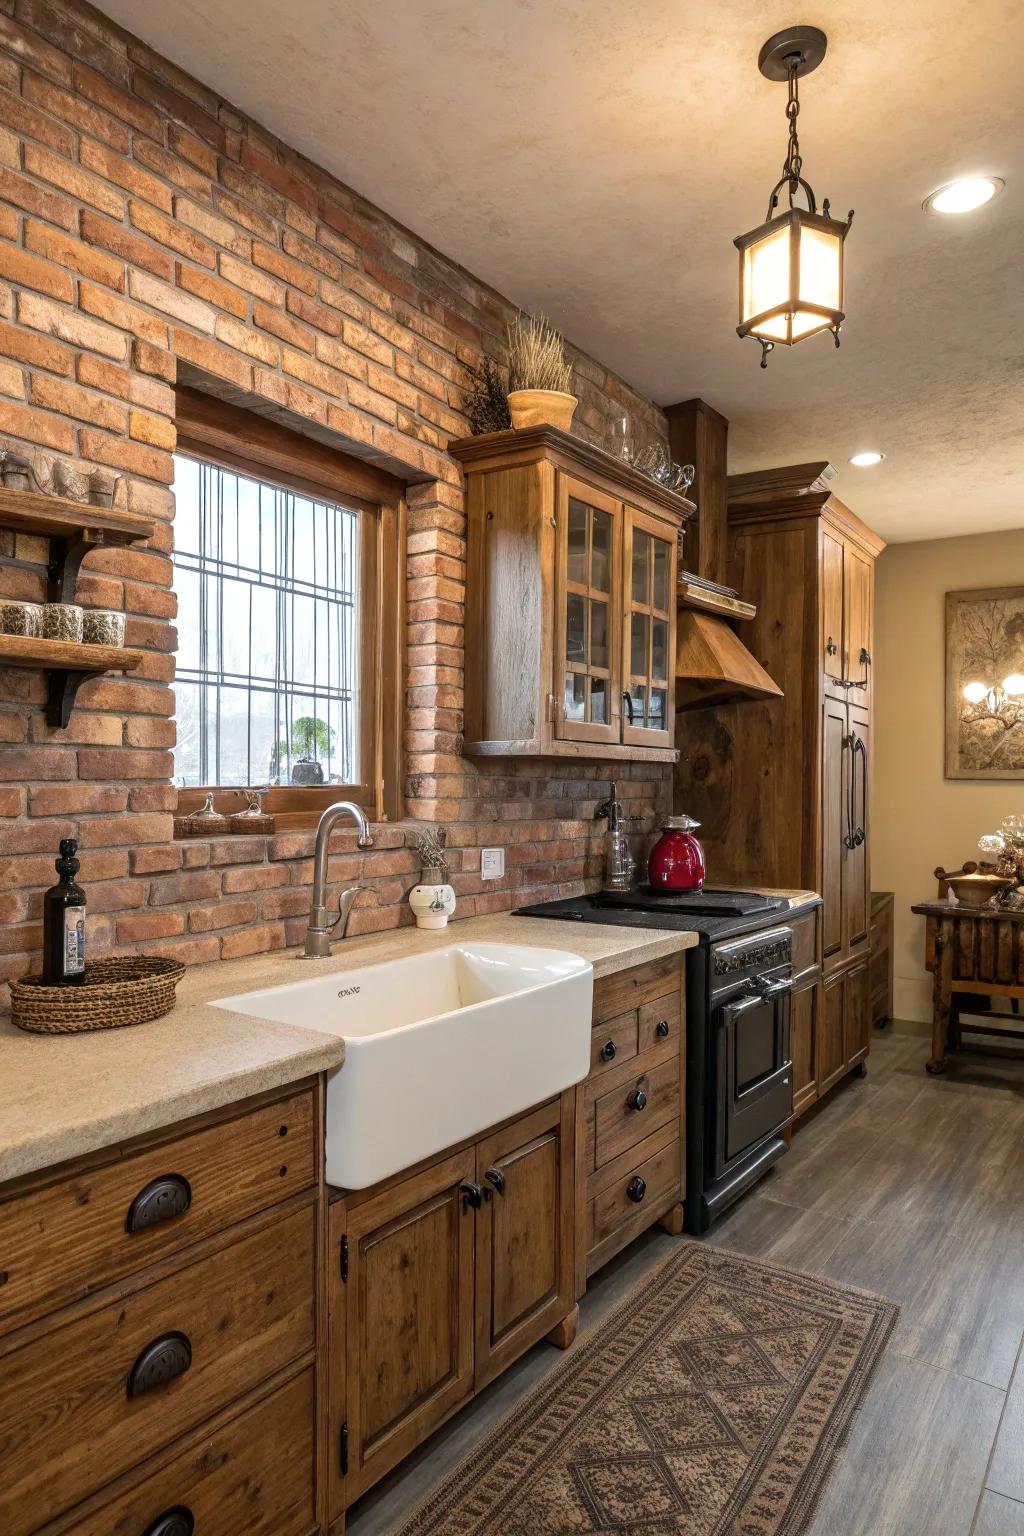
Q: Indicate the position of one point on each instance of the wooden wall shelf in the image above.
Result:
(74, 528)
(691, 595)
(69, 666)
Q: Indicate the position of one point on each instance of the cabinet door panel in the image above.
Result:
(857, 1014)
(802, 1046)
(832, 638)
(409, 1330)
(858, 579)
(831, 1047)
(649, 630)
(835, 812)
(588, 601)
(524, 1249)
(856, 874)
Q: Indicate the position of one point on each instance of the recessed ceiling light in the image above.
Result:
(963, 196)
(864, 460)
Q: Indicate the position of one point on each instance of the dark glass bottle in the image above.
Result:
(64, 923)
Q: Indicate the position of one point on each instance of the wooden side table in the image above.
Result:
(970, 949)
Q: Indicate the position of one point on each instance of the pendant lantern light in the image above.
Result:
(791, 266)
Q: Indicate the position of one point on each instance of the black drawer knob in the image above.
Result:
(160, 1362)
(173, 1522)
(168, 1196)
(473, 1194)
(661, 1029)
(637, 1099)
(636, 1189)
(608, 1051)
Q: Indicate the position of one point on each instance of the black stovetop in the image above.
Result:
(711, 913)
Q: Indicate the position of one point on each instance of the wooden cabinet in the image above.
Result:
(781, 787)
(880, 948)
(570, 605)
(444, 1276)
(804, 1007)
(154, 1292)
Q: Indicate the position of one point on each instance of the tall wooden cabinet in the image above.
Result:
(570, 619)
(781, 787)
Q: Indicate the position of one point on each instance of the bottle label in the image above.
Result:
(74, 941)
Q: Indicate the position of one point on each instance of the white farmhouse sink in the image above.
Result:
(438, 1046)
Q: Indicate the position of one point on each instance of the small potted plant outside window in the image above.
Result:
(311, 739)
(538, 375)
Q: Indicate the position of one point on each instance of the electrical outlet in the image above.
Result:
(492, 863)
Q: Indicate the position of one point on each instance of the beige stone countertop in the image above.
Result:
(65, 1095)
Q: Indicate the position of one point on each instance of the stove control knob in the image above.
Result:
(661, 1029)
(608, 1051)
(636, 1189)
(637, 1099)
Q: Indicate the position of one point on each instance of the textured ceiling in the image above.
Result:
(594, 158)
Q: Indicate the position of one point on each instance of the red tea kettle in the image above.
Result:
(676, 862)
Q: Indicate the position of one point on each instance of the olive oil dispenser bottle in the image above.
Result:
(64, 923)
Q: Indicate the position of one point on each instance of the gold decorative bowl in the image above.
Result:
(978, 890)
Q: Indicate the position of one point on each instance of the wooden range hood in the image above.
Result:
(712, 663)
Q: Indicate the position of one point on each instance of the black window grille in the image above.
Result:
(268, 586)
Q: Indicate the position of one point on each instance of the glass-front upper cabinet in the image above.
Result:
(649, 630)
(588, 609)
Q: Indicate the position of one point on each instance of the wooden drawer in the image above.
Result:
(618, 1125)
(613, 1042)
(661, 1023)
(631, 989)
(68, 1424)
(805, 943)
(615, 1215)
(67, 1238)
(254, 1474)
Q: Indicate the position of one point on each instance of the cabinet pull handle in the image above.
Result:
(160, 1362)
(830, 647)
(178, 1521)
(473, 1194)
(637, 1100)
(161, 1200)
(609, 1050)
(636, 1189)
(628, 701)
(661, 1029)
(865, 661)
(497, 1178)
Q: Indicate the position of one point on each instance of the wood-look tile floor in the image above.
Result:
(902, 1184)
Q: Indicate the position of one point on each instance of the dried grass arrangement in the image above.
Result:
(486, 404)
(536, 356)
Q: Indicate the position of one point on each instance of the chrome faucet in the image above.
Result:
(322, 932)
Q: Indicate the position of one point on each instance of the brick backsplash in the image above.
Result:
(150, 233)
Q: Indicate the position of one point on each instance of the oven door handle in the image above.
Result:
(770, 989)
(766, 993)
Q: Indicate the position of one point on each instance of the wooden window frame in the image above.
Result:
(240, 440)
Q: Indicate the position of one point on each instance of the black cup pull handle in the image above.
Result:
(608, 1050)
(162, 1199)
(636, 1189)
(161, 1361)
(497, 1178)
(178, 1521)
(637, 1099)
(661, 1029)
(473, 1194)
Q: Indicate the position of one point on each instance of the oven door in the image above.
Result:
(755, 1077)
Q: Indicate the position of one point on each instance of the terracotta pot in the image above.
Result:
(541, 408)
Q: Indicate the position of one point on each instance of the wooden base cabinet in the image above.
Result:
(443, 1277)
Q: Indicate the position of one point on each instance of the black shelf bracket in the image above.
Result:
(64, 564)
(63, 687)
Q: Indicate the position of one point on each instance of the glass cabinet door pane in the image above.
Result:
(659, 648)
(661, 565)
(598, 634)
(577, 560)
(638, 701)
(575, 628)
(599, 700)
(656, 713)
(641, 566)
(601, 550)
(638, 630)
(575, 696)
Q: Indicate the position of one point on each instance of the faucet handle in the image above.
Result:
(346, 901)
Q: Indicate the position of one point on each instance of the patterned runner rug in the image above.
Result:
(712, 1402)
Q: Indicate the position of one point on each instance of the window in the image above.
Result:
(287, 657)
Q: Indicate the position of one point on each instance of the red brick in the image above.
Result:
(113, 764)
(148, 861)
(177, 106)
(214, 359)
(236, 849)
(158, 431)
(30, 48)
(124, 173)
(71, 253)
(195, 856)
(153, 797)
(22, 193)
(270, 319)
(172, 168)
(10, 805)
(192, 149)
(97, 373)
(313, 255)
(130, 110)
(121, 313)
(97, 230)
(50, 431)
(69, 400)
(28, 271)
(34, 836)
(198, 885)
(173, 235)
(244, 339)
(154, 360)
(205, 286)
(73, 799)
(293, 187)
(245, 276)
(224, 914)
(314, 313)
(122, 830)
(285, 267)
(79, 330)
(286, 903)
(27, 122)
(71, 179)
(253, 941)
(149, 925)
(210, 225)
(250, 218)
(73, 109)
(116, 895)
(261, 878)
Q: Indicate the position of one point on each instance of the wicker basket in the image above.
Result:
(121, 990)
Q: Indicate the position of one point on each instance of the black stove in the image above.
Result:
(739, 1076)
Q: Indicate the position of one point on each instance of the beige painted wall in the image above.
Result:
(922, 819)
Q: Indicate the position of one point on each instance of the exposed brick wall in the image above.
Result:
(150, 233)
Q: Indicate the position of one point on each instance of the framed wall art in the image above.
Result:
(985, 684)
